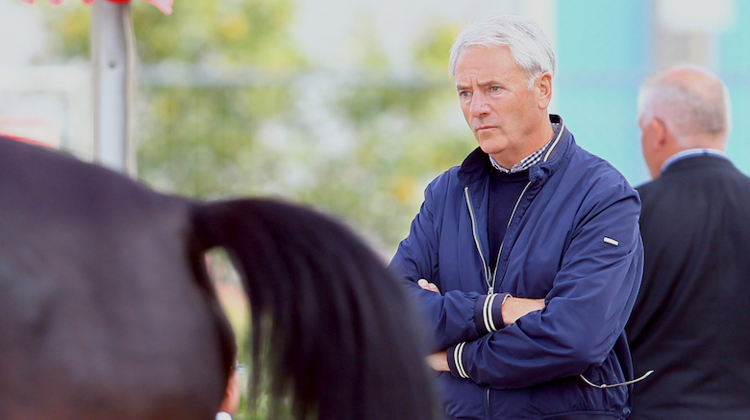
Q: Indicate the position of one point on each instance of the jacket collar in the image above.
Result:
(697, 162)
(692, 152)
(477, 164)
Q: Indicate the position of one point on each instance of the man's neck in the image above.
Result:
(540, 137)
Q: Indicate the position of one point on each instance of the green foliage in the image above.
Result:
(244, 135)
(69, 27)
(202, 141)
(432, 55)
(247, 134)
(368, 53)
(224, 32)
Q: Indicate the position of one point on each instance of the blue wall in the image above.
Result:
(733, 61)
(603, 56)
(603, 51)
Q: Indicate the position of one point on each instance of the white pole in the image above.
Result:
(113, 70)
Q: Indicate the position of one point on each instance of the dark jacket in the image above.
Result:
(690, 323)
(573, 239)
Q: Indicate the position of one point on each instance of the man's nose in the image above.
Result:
(479, 105)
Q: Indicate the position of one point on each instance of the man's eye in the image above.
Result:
(464, 93)
(495, 88)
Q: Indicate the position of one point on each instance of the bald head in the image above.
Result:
(691, 102)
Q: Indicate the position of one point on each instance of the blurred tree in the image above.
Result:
(403, 137)
(220, 112)
(229, 106)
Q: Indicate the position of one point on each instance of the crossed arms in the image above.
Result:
(512, 309)
(588, 295)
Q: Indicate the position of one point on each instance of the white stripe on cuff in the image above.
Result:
(489, 323)
(457, 358)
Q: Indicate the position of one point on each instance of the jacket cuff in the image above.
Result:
(456, 361)
(488, 313)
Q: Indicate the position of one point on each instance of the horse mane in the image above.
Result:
(92, 256)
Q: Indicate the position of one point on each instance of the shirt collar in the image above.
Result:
(529, 160)
(692, 152)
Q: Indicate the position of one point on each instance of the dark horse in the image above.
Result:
(107, 310)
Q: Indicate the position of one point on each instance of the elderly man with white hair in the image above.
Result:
(526, 259)
(690, 320)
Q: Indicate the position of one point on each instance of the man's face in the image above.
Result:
(497, 103)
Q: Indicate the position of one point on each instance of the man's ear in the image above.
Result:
(543, 90)
(657, 144)
(660, 132)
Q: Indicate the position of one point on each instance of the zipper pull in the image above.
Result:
(491, 290)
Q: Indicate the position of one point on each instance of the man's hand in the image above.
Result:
(428, 286)
(439, 361)
(514, 308)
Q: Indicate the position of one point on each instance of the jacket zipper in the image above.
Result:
(490, 286)
(488, 402)
(476, 237)
(490, 277)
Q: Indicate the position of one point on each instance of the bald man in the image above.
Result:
(692, 315)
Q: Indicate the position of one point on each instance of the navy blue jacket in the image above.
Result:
(573, 239)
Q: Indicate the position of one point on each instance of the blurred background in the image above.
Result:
(346, 105)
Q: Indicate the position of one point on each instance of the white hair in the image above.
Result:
(526, 41)
(685, 108)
